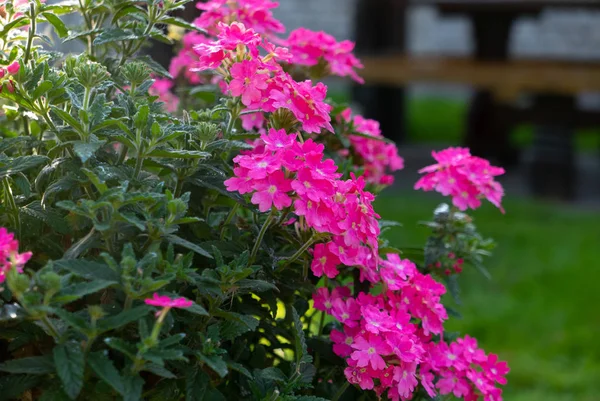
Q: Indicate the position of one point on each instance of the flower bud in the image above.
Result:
(96, 312)
(2, 72)
(50, 281)
(13, 68)
(18, 283)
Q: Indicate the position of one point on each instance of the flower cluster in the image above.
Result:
(186, 57)
(467, 179)
(284, 173)
(7, 72)
(10, 258)
(255, 14)
(375, 155)
(387, 339)
(162, 89)
(308, 48)
(260, 81)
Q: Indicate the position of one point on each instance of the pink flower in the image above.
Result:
(10, 258)
(230, 36)
(347, 312)
(273, 192)
(368, 352)
(248, 81)
(467, 179)
(167, 302)
(324, 262)
(13, 68)
(161, 88)
(277, 140)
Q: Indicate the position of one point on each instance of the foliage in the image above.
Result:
(117, 200)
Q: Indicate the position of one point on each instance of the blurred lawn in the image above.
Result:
(439, 120)
(540, 311)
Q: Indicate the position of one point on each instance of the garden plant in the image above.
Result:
(207, 231)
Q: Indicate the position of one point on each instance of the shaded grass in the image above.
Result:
(540, 311)
(439, 120)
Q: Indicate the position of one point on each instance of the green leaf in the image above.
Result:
(68, 119)
(12, 386)
(105, 369)
(76, 291)
(59, 26)
(85, 150)
(70, 365)
(154, 66)
(20, 164)
(88, 269)
(117, 344)
(34, 365)
(197, 309)
(215, 362)
(123, 318)
(42, 88)
(256, 285)
(175, 240)
(181, 23)
(302, 355)
(236, 325)
(196, 384)
(159, 371)
(115, 35)
(273, 374)
(72, 319)
(179, 154)
(133, 386)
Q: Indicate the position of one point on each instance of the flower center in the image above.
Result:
(371, 351)
(272, 189)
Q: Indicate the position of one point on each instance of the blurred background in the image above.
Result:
(518, 82)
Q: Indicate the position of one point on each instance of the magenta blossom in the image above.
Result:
(167, 302)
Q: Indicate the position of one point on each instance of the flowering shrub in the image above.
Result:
(208, 232)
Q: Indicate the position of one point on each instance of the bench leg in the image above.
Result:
(553, 170)
(380, 28)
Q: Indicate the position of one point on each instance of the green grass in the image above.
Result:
(540, 311)
(439, 120)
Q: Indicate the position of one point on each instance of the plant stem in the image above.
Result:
(300, 251)
(232, 213)
(341, 391)
(53, 331)
(138, 166)
(261, 234)
(31, 33)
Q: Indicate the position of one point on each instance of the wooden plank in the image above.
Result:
(467, 6)
(507, 79)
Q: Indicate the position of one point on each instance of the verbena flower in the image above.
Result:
(166, 302)
(10, 258)
(467, 179)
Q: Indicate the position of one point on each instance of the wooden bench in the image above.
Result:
(506, 79)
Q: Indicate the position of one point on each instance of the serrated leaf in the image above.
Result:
(85, 150)
(256, 285)
(88, 269)
(197, 309)
(34, 365)
(20, 164)
(121, 346)
(159, 371)
(274, 374)
(182, 24)
(76, 291)
(69, 362)
(123, 318)
(42, 88)
(115, 35)
(105, 369)
(196, 384)
(179, 154)
(68, 119)
(132, 388)
(12, 386)
(154, 66)
(215, 362)
(302, 355)
(175, 240)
